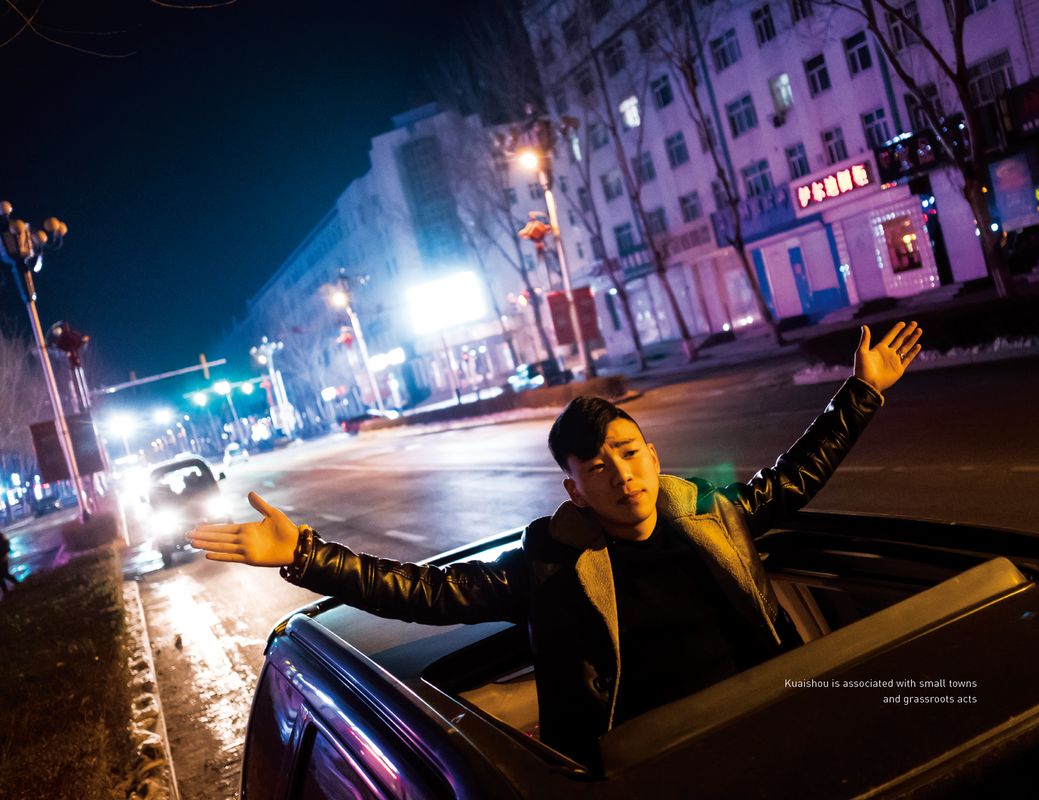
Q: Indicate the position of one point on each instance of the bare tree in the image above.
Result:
(923, 62)
(630, 158)
(20, 367)
(582, 204)
(680, 45)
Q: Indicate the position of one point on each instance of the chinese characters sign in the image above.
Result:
(836, 184)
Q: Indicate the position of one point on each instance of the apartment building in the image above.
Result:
(799, 100)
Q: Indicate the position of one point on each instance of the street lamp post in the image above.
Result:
(224, 388)
(341, 299)
(23, 251)
(264, 355)
(541, 160)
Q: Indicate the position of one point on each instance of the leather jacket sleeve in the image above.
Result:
(467, 592)
(778, 491)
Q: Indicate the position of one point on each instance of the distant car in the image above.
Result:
(537, 374)
(235, 452)
(352, 424)
(182, 493)
(352, 705)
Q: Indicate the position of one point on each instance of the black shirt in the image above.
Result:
(678, 632)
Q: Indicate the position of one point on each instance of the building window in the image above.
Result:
(559, 100)
(598, 248)
(548, 50)
(721, 200)
(725, 50)
(662, 94)
(742, 116)
(901, 36)
(856, 48)
(643, 169)
(611, 185)
(800, 9)
(690, 206)
(646, 33)
(818, 77)
(599, 8)
(584, 198)
(757, 180)
(571, 30)
(598, 136)
(875, 125)
(833, 145)
(629, 110)
(797, 160)
(535, 190)
(917, 116)
(902, 247)
(706, 134)
(580, 250)
(625, 236)
(571, 217)
(563, 187)
(989, 80)
(584, 81)
(969, 7)
(510, 196)
(764, 27)
(613, 56)
(656, 221)
(782, 93)
(677, 152)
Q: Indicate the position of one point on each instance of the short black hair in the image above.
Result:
(581, 429)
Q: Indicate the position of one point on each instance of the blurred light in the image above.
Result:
(613, 290)
(16, 479)
(340, 299)
(247, 388)
(392, 358)
(217, 508)
(529, 160)
(222, 388)
(121, 425)
(994, 227)
(199, 398)
(447, 302)
(328, 394)
(726, 327)
(261, 359)
(163, 416)
(165, 522)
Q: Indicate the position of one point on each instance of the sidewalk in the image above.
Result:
(37, 543)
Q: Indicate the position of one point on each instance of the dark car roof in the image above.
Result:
(180, 463)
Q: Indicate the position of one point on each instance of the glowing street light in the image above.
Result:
(224, 388)
(340, 298)
(199, 398)
(163, 416)
(247, 388)
(529, 160)
(122, 425)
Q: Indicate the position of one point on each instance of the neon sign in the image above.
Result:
(837, 184)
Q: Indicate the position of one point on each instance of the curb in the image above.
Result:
(154, 777)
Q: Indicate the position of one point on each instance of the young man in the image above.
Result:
(640, 589)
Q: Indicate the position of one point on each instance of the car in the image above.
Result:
(182, 493)
(234, 452)
(352, 424)
(917, 677)
(537, 374)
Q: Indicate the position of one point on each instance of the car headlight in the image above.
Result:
(216, 508)
(166, 522)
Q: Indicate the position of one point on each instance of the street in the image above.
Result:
(954, 444)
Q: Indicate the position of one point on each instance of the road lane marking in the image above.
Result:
(332, 518)
(405, 536)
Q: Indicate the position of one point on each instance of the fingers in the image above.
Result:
(864, 339)
(904, 335)
(195, 536)
(218, 547)
(907, 345)
(232, 557)
(216, 528)
(889, 337)
(260, 504)
(912, 354)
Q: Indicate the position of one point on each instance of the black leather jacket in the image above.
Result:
(560, 583)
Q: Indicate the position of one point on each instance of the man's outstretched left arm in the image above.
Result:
(778, 491)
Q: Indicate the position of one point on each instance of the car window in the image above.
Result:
(185, 478)
(326, 773)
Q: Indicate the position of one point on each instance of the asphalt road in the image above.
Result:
(955, 444)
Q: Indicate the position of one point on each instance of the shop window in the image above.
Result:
(902, 246)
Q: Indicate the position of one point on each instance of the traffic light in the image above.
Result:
(205, 365)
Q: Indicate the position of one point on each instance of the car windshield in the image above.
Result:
(182, 478)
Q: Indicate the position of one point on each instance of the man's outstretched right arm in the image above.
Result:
(468, 592)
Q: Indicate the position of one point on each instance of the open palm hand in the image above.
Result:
(882, 365)
(271, 542)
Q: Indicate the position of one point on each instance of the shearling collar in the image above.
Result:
(579, 527)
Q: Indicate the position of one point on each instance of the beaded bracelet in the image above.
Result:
(301, 555)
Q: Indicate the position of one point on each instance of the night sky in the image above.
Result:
(190, 169)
